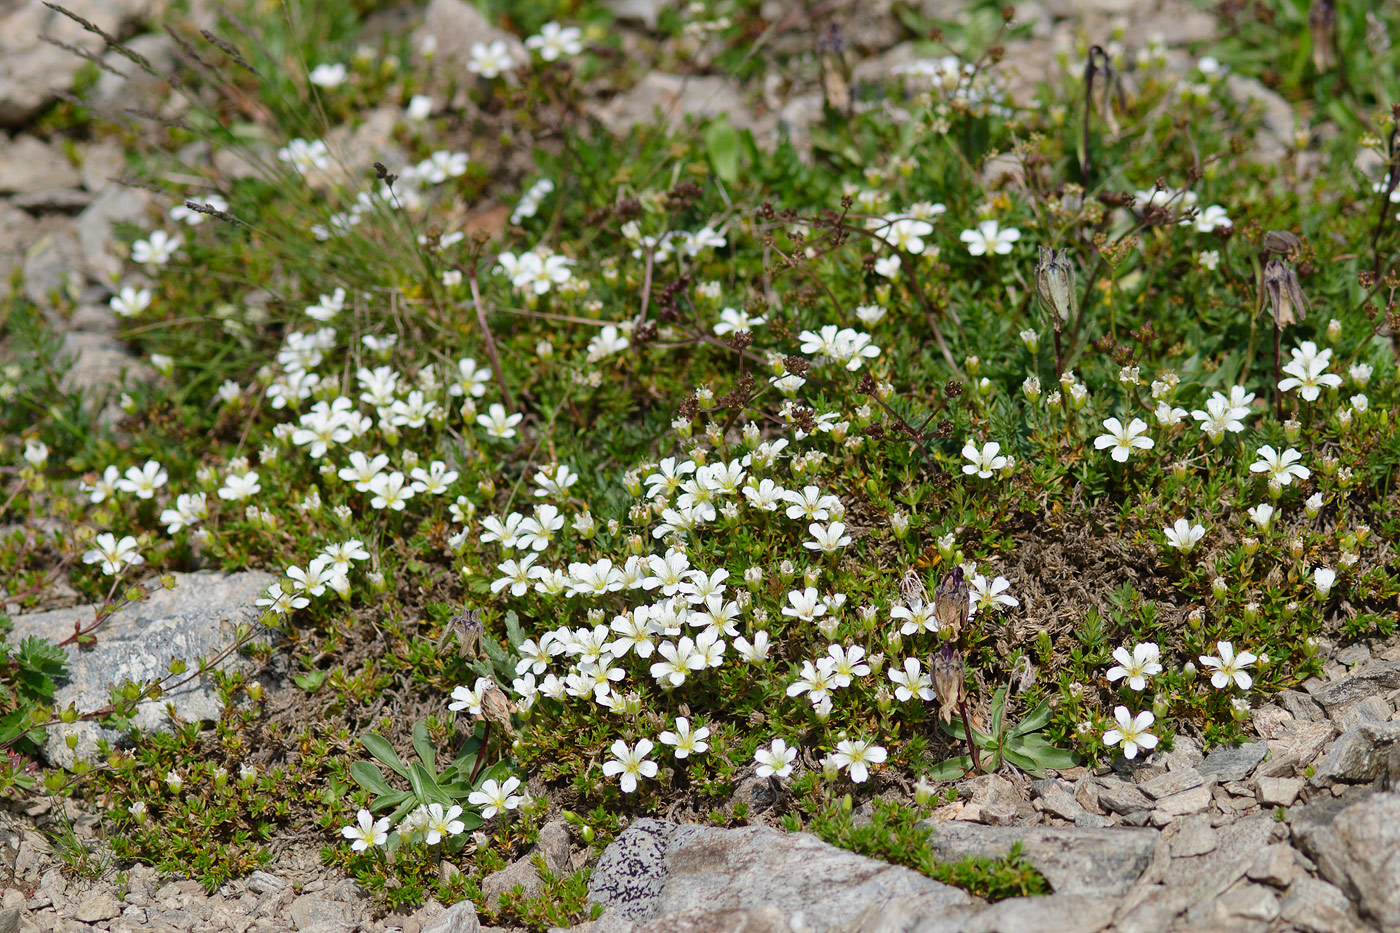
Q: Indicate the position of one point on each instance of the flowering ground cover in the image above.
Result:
(617, 475)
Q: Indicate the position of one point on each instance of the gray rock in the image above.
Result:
(459, 918)
(99, 365)
(98, 907)
(1234, 764)
(1366, 709)
(1372, 679)
(310, 912)
(9, 919)
(1353, 655)
(1171, 782)
(1063, 805)
(114, 205)
(1193, 800)
(33, 71)
(53, 262)
(1278, 792)
(725, 920)
(53, 201)
(1315, 906)
(196, 619)
(1358, 849)
(675, 97)
(1121, 797)
(1058, 913)
(1195, 837)
(646, 12)
(1091, 862)
(28, 165)
(520, 873)
(1275, 865)
(1303, 707)
(261, 882)
(656, 869)
(1275, 133)
(16, 234)
(132, 86)
(1195, 883)
(1360, 754)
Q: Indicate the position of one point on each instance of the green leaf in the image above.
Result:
(370, 778)
(950, 770)
(515, 633)
(310, 681)
(423, 745)
(380, 748)
(1035, 719)
(722, 146)
(998, 709)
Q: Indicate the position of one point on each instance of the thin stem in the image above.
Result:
(1278, 373)
(490, 342)
(480, 752)
(967, 732)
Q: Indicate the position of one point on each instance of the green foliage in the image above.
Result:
(1021, 745)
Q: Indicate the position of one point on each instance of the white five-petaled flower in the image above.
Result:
(1307, 371)
(143, 480)
(130, 301)
(733, 320)
(496, 796)
(1143, 663)
(856, 756)
(1229, 666)
(1131, 732)
(1261, 514)
(686, 739)
(554, 41)
(1323, 579)
(804, 604)
(439, 824)
(489, 60)
(156, 249)
(1283, 467)
(366, 831)
(497, 423)
(990, 238)
(911, 681)
(775, 760)
(827, 538)
(1183, 535)
(984, 462)
(988, 594)
(630, 762)
(1123, 440)
(114, 555)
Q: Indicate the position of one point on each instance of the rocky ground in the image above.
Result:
(1299, 829)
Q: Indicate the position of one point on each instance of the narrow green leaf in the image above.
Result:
(950, 770)
(370, 778)
(1035, 719)
(423, 745)
(722, 146)
(379, 747)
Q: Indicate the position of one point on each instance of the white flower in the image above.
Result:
(1323, 579)
(144, 480)
(804, 605)
(1183, 535)
(984, 595)
(827, 538)
(329, 75)
(1123, 440)
(391, 491)
(856, 757)
(757, 650)
(1209, 219)
(490, 60)
(554, 41)
(516, 575)
(1229, 666)
(1261, 514)
(440, 824)
(105, 486)
(130, 302)
(1308, 371)
(990, 238)
(1131, 732)
(497, 423)
(732, 320)
(114, 555)
(815, 680)
(238, 487)
(685, 739)
(468, 699)
(366, 831)
(420, 107)
(630, 762)
(984, 462)
(775, 760)
(911, 681)
(496, 796)
(1282, 468)
(305, 156)
(157, 249)
(1143, 663)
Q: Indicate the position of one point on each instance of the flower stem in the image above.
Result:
(967, 731)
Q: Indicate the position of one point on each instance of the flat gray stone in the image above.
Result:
(196, 619)
(1188, 801)
(1057, 913)
(455, 25)
(1316, 906)
(319, 914)
(656, 869)
(459, 918)
(1358, 755)
(1358, 849)
(1195, 837)
(1171, 782)
(673, 97)
(1376, 678)
(1366, 709)
(1274, 864)
(1278, 792)
(1121, 797)
(1090, 862)
(116, 204)
(1234, 763)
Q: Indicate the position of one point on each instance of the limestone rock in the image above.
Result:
(1234, 763)
(676, 97)
(1357, 848)
(313, 914)
(1091, 862)
(28, 165)
(114, 205)
(455, 25)
(1360, 754)
(459, 918)
(656, 869)
(196, 619)
(1374, 678)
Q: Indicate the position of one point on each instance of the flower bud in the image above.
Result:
(1054, 286)
(899, 524)
(1285, 294)
(1250, 545)
(950, 602)
(948, 683)
(1219, 588)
